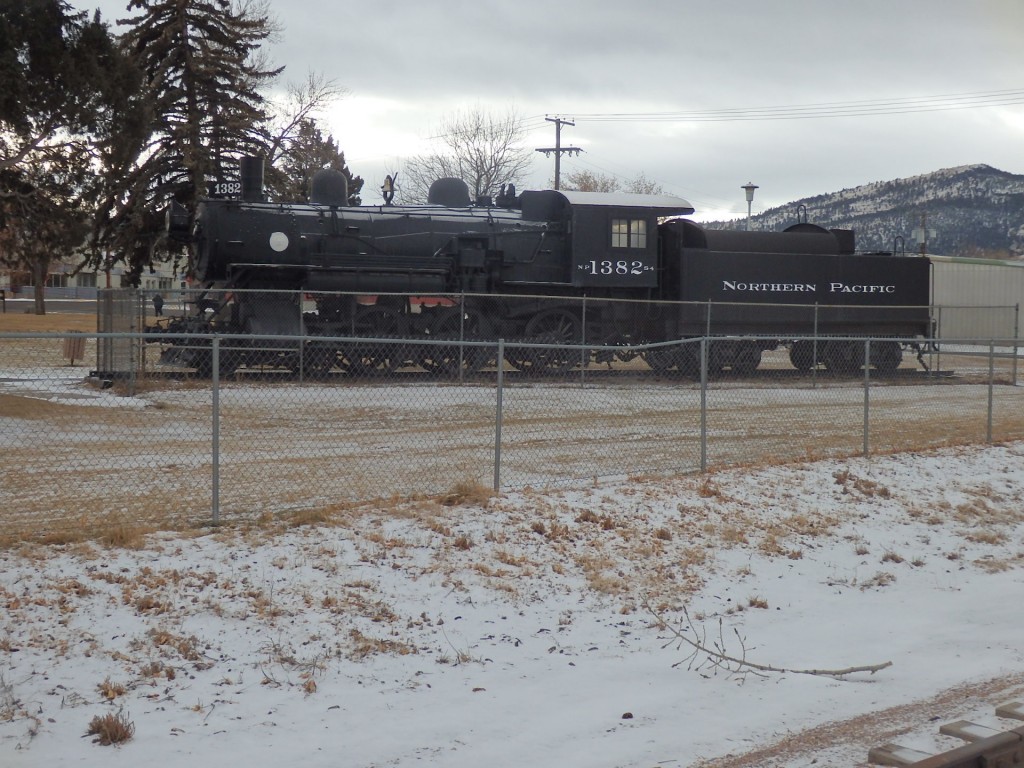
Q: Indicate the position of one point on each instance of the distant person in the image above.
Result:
(158, 304)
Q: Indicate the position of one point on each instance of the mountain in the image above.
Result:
(972, 210)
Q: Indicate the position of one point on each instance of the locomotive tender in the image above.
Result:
(519, 268)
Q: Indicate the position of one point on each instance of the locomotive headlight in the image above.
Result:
(278, 241)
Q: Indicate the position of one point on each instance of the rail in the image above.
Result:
(986, 748)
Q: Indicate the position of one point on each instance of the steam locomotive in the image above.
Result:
(537, 267)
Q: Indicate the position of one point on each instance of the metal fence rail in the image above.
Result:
(165, 446)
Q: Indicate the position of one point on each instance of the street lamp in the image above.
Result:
(749, 188)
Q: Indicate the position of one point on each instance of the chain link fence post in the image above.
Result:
(302, 341)
(1016, 338)
(215, 432)
(498, 415)
(814, 358)
(991, 379)
(867, 396)
(584, 351)
(704, 349)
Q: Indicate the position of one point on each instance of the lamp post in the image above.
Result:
(749, 188)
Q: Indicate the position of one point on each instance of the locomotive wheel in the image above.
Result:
(690, 362)
(377, 323)
(801, 355)
(554, 326)
(719, 355)
(445, 360)
(318, 360)
(843, 357)
(886, 356)
(746, 359)
(229, 361)
(684, 359)
(663, 359)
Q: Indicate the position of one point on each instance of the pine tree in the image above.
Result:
(199, 111)
(306, 154)
(61, 79)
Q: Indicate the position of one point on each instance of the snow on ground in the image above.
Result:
(536, 628)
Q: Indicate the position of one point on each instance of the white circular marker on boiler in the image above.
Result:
(278, 241)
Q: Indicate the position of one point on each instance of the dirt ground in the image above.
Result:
(146, 454)
(20, 322)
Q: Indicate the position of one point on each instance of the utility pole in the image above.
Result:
(558, 149)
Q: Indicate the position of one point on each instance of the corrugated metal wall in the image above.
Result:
(977, 299)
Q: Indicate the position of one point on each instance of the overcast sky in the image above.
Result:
(890, 69)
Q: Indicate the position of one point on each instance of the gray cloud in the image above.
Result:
(581, 58)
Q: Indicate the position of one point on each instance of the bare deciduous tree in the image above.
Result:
(588, 181)
(483, 150)
(641, 185)
(302, 103)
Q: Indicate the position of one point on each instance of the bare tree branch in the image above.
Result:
(482, 149)
(715, 655)
(302, 102)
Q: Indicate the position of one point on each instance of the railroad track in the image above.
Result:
(985, 747)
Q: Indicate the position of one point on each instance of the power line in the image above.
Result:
(833, 109)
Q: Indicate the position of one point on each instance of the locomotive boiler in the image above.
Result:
(536, 267)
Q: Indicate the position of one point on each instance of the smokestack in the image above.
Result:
(251, 169)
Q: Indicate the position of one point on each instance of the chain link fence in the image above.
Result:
(263, 424)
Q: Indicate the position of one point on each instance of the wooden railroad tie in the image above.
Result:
(986, 748)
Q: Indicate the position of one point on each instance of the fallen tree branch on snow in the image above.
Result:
(715, 655)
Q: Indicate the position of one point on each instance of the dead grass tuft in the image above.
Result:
(117, 533)
(111, 729)
(986, 537)
(861, 486)
(468, 492)
(606, 522)
(880, 579)
(157, 669)
(309, 517)
(364, 646)
(708, 489)
(734, 535)
(993, 565)
(186, 647)
(111, 690)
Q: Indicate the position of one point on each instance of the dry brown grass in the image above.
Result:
(363, 646)
(56, 322)
(186, 648)
(118, 533)
(468, 492)
(111, 690)
(288, 472)
(111, 729)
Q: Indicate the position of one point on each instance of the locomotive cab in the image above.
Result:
(610, 239)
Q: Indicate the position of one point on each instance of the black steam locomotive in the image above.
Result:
(539, 267)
